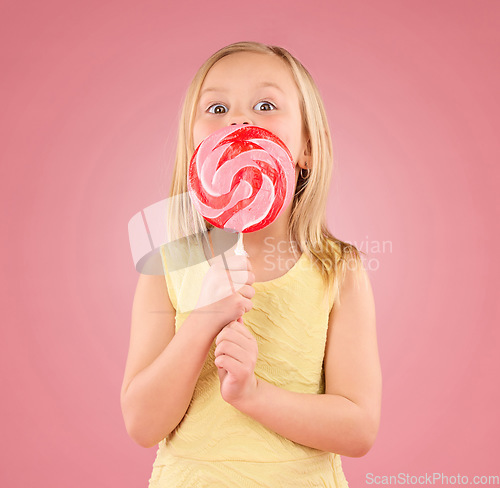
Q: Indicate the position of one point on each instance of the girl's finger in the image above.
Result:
(235, 263)
(231, 365)
(242, 329)
(232, 349)
(234, 334)
(241, 277)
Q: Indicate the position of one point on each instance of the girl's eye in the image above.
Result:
(269, 105)
(217, 108)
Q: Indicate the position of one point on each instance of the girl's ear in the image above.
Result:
(308, 150)
(307, 154)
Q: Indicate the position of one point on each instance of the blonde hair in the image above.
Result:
(307, 225)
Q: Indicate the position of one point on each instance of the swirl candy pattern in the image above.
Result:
(241, 178)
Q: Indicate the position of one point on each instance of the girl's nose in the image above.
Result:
(240, 118)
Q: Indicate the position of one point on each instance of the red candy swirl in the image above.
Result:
(241, 178)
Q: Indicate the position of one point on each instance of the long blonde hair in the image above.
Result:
(307, 225)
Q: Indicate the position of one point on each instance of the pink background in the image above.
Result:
(90, 98)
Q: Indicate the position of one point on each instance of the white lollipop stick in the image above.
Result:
(240, 250)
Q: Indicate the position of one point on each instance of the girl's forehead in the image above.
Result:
(249, 67)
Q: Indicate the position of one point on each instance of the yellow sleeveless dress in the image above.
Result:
(215, 445)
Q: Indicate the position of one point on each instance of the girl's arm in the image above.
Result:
(344, 420)
(162, 367)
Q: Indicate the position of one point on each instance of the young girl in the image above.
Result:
(261, 371)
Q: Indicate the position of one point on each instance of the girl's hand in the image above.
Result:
(235, 357)
(226, 293)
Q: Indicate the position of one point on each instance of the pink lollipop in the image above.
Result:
(241, 178)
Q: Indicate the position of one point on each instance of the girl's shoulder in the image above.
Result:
(341, 250)
(334, 258)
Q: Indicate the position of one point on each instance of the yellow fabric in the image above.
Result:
(215, 445)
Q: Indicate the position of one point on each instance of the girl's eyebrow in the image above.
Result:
(263, 84)
(266, 84)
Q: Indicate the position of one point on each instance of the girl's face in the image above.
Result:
(254, 88)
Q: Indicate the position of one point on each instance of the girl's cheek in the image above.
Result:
(201, 130)
(208, 126)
